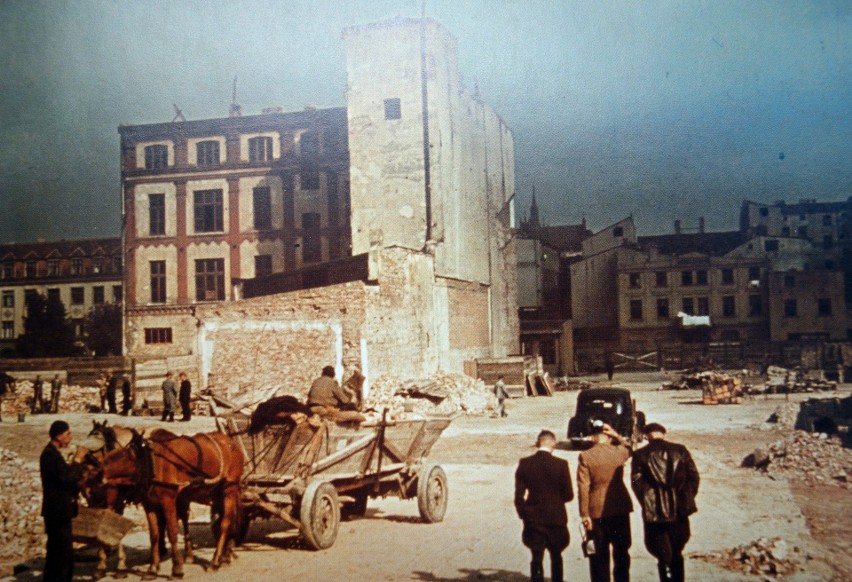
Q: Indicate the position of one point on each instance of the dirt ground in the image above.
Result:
(480, 536)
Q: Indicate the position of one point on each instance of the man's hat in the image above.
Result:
(57, 428)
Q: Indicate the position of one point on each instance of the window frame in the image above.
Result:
(260, 149)
(157, 214)
(158, 335)
(207, 153)
(159, 284)
(210, 279)
(156, 156)
(78, 295)
(208, 211)
(262, 207)
(636, 310)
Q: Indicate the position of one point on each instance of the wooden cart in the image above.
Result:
(308, 472)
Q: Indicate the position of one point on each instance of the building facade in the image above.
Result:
(82, 274)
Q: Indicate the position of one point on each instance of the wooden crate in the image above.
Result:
(102, 525)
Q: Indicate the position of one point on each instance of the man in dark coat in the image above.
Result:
(665, 481)
(126, 395)
(59, 501)
(112, 387)
(38, 395)
(185, 396)
(542, 488)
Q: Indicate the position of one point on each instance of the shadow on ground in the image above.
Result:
(474, 575)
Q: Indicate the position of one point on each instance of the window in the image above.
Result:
(8, 330)
(686, 278)
(617, 231)
(156, 214)
(158, 281)
(53, 295)
(764, 212)
(729, 306)
(158, 335)
(634, 280)
(826, 220)
(827, 241)
(29, 295)
(76, 266)
(662, 308)
(262, 208)
(311, 242)
(116, 264)
(30, 269)
(701, 277)
(703, 306)
(260, 149)
(688, 306)
(727, 276)
(207, 153)
(755, 306)
(393, 108)
(117, 294)
(262, 265)
(770, 246)
(98, 295)
(636, 309)
(78, 295)
(803, 231)
(754, 273)
(790, 308)
(210, 279)
(789, 280)
(310, 180)
(208, 211)
(98, 265)
(662, 279)
(824, 307)
(8, 298)
(785, 231)
(9, 270)
(53, 268)
(156, 157)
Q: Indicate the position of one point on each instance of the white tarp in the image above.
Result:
(693, 320)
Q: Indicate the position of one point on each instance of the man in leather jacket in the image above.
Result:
(665, 481)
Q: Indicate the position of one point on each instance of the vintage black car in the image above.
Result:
(614, 406)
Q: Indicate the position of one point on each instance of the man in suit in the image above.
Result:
(542, 488)
(605, 504)
(59, 501)
(665, 481)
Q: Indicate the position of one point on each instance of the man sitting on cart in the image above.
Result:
(326, 393)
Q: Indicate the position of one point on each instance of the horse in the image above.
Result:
(170, 471)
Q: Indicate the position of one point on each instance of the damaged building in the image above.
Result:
(259, 248)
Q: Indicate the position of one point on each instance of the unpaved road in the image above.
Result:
(480, 537)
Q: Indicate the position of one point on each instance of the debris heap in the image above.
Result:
(783, 380)
(812, 458)
(784, 416)
(767, 557)
(441, 393)
(21, 529)
(71, 399)
(717, 388)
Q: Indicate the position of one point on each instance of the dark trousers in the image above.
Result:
(612, 538)
(126, 401)
(59, 564)
(185, 408)
(539, 538)
(665, 541)
(111, 400)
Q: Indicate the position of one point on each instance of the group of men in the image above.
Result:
(664, 479)
(173, 394)
(109, 383)
(42, 404)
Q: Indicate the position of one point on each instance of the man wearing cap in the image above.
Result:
(665, 481)
(605, 504)
(59, 501)
(542, 488)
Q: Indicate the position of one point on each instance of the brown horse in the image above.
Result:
(170, 471)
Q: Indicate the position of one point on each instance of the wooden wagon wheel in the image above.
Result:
(320, 515)
(432, 493)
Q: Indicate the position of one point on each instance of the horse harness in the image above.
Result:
(173, 457)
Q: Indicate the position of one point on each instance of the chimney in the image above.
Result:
(677, 227)
(701, 224)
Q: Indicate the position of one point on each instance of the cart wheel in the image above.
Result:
(432, 493)
(320, 515)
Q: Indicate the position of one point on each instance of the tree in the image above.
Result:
(47, 330)
(103, 330)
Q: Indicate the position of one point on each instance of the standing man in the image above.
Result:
(542, 488)
(126, 395)
(55, 388)
(326, 392)
(169, 398)
(665, 481)
(59, 501)
(112, 387)
(185, 396)
(501, 394)
(605, 504)
(38, 395)
(102, 389)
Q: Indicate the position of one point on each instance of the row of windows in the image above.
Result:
(691, 278)
(209, 280)
(826, 218)
(56, 267)
(701, 306)
(78, 295)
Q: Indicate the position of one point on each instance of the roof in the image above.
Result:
(564, 238)
(706, 243)
(806, 206)
(60, 249)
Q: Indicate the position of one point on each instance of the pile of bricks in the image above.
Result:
(770, 558)
(21, 527)
(812, 458)
(71, 399)
(441, 393)
(718, 388)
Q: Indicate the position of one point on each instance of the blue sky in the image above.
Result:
(663, 110)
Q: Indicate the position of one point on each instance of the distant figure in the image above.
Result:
(126, 395)
(609, 365)
(501, 394)
(185, 396)
(55, 389)
(112, 388)
(38, 395)
(542, 488)
(665, 481)
(102, 390)
(326, 392)
(169, 398)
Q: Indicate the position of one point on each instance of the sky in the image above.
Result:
(662, 110)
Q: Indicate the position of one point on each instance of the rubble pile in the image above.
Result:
(767, 557)
(71, 399)
(441, 393)
(781, 380)
(784, 416)
(717, 388)
(21, 528)
(813, 458)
